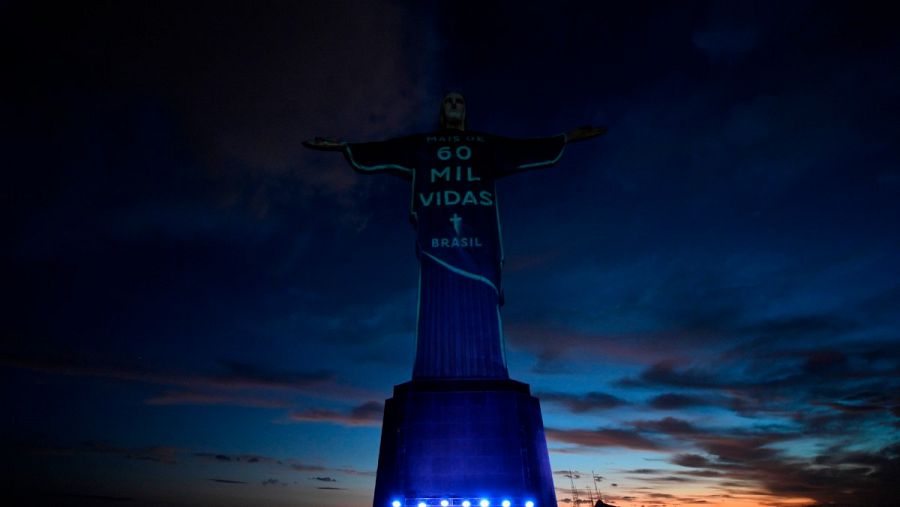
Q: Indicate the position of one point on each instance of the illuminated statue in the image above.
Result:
(453, 208)
(461, 432)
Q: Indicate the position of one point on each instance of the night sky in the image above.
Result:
(200, 311)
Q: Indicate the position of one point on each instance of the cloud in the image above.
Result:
(855, 408)
(367, 414)
(690, 460)
(238, 458)
(779, 382)
(792, 327)
(587, 402)
(304, 467)
(665, 373)
(227, 481)
(695, 307)
(664, 479)
(353, 471)
(643, 471)
(675, 401)
(227, 399)
(668, 426)
(236, 384)
(743, 461)
(159, 454)
(237, 375)
(287, 463)
(841, 483)
(822, 392)
(602, 438)
(556, 356)
(756, 461)
(737, 449)
(701, 473)
(252, 375)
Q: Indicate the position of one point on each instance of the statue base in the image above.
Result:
(457, 442)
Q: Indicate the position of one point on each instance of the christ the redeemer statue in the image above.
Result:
(453, 208)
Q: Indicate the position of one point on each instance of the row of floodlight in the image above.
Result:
(484, 502)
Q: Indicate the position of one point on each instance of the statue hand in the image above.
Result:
(584, 132)
(324, 144)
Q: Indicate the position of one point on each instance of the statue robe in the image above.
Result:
(453, 209)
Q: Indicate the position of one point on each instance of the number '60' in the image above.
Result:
(462, 153)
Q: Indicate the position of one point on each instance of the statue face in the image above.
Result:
(454, 108)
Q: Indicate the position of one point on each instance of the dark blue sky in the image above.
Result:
(705, 299)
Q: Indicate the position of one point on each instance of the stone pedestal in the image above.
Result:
(463, 440)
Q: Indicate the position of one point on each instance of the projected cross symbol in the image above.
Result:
(456, 221)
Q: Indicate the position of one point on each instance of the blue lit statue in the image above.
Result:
(461, 432)
(453, 208)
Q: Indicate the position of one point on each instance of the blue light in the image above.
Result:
(529, 503)
(505, 503)
(444, 503)
(467, 503)
(422, 504)
(484, 503)
(395, 503)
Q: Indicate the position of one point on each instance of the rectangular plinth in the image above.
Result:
(463, 439)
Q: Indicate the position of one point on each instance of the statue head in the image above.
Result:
(453, 111)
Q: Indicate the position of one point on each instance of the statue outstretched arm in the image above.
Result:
(583, 133)
(526, 154)
(324, 144)
(392, 156)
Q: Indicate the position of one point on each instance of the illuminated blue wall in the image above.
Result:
(463, 439)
